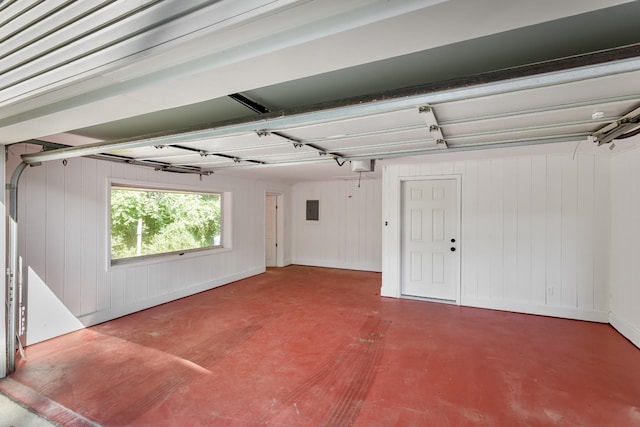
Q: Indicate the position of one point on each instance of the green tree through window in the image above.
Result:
(150, 222)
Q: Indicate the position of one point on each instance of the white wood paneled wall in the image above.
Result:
(534, 231)
(536, 234)
(63, 217)
(348, 234)
(625, 242)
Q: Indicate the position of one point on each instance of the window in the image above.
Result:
(147, 222)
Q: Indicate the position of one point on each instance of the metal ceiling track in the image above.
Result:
(422, 151)
(298, 143)
(546, 74)
(623, 128)
(154, 164)
(204, 153)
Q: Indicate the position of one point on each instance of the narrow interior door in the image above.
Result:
(430, 238)
(270, 230)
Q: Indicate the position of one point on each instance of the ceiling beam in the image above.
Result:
(591, 66)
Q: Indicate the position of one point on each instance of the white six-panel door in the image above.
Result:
(430, 238)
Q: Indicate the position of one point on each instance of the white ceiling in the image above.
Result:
(334, 76)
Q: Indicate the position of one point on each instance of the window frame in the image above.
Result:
(225, 223)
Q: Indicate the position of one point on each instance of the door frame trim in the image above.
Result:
(458, 284)
(280, 240)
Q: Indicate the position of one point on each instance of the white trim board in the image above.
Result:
(105, 315)
(391, 225)
(329, 264)
(625, 328)
(536, 309)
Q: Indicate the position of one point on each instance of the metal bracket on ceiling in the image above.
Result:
(434, 128)
(235, 159)
(249, 103)
(204, 153)
(205, 173)
(298, 143)
(623, 128)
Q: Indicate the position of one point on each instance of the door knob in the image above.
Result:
(453, 249)
(453, 240)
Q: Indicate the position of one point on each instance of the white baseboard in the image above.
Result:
(542, 310)
(342, 266)
(388, 291)
(627, 329)
(115, 312)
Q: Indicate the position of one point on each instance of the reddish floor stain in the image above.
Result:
(308, 346)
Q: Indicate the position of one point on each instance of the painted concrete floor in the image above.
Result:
(13, 414)
(304, 346)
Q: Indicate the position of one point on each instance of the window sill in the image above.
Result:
(163, 258)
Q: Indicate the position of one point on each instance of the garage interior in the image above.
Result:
(306, 345)
(528, 114)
